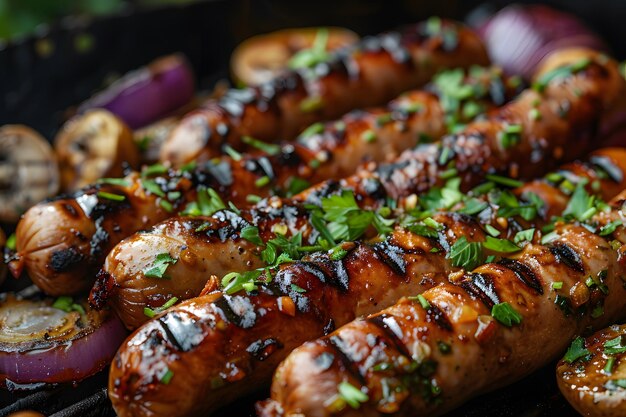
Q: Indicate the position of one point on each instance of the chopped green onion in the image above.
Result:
(507, 182)
(269, 148)
(111, 196)
(351, 394)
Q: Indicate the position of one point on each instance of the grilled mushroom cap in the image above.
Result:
(28, 171)
(94, 145)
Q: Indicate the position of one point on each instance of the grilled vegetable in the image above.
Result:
(93, 146)
(28, 171)
(223, 344)
(592, 374)
(287, 168)
(261, 58)
(483, 330)
(230, 242)
(54, 341)
(149, 93)
(519, 36)
(369, 74)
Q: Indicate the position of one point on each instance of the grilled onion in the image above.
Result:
(43, 340)
(149, 93)
(28, 171)
(260, 58)
(519, 37)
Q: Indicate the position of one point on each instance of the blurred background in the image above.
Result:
(55, 54)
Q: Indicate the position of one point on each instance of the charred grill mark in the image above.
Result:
(315, 270)
(605, 164)
(480, 286)
(337, 345)
(99, 240)
(392, 255)
(263, 348)
(69, 209)
(340, 277)
(102, 289)
(237, 310)
(523, 273)
(437, 316)
(181, 330)
(392, 330)
(566, 255)
(64, 259)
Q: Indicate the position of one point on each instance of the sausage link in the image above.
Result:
(224, 345)
(561, 118)
(52, 255)
(592, 380)
(213, 246)
(371, 73)
(425, 357)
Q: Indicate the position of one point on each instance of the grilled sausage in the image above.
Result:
(52, 254)
(458, 340)
(592, 374)
(223, 345)
(371, 73)
(213, 246)
(572, 98)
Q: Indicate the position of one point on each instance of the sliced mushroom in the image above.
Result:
(28, 171)
(261, 58)
(94, 145)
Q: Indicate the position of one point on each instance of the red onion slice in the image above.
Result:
(149, 93)
(519, 37)
(42, 343)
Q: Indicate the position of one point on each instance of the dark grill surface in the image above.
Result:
(535, 396)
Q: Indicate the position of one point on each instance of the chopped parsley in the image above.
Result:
(251, 234)
(269, 148)
(353, 396)
(151, 312)
(615, 346)
(576, 351)
(581, 205)
(500, 245)
(524, 236)
(506, 314)
(11, 242)
(67, 304)
(466, 255)
(161, 262)
(316, 54)
(610, 228)
(207, 202)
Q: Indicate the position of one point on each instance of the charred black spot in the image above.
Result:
(523, 273)
(288, 157)
(64, 259)
(327, 189)
(181, 330)
(221, 172)
(605, 164)
(263, 349)
(385, 171)
(315, 270)
(392, 255)
(374, 188)
(566, 255)
(102, 290)
(99, 240)
(340, 277)
(69, 209)
(343, 353)
(435, 315)
(238, 310)
(392, 330)
(480, 286)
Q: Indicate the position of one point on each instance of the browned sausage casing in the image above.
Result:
(594, 383)
(372, 72)
(225, 345)
(213, 246)
(397, 359)
(62, 260)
